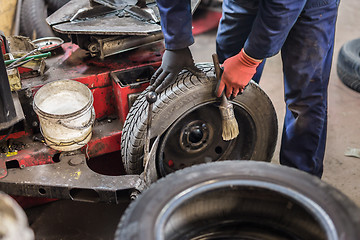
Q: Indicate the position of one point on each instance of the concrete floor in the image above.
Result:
(72, 220)
(344, 104)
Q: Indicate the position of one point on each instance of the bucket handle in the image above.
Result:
(91, 122)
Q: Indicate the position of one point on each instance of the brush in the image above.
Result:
(230, 128)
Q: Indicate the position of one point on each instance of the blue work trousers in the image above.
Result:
(306, 51)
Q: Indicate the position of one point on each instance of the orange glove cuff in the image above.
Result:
(248, 61)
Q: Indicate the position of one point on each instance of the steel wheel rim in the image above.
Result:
(195, 138)
(173, 210)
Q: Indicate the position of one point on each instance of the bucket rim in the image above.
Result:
(76, 114)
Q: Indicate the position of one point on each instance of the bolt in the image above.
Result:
(93, 47)
(36, 139)
(109, 120)
(75, 161)
(75, 158)
(22, 166)
(134, 194)
(204, 126)
(35, 124)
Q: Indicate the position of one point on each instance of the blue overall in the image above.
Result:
(304, 32)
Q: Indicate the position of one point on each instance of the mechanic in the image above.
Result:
(251, 31)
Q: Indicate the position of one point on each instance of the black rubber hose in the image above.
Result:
(54, 5)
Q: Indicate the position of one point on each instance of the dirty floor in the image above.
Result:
(71, 220)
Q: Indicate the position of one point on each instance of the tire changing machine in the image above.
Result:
(114, 50)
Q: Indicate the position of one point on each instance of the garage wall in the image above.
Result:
(7, 14)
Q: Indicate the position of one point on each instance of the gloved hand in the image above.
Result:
(238, 71)
(173, 62)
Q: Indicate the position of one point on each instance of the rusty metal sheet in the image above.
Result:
(66, 12)
(80, 17)
(68, 179)
(108, 25)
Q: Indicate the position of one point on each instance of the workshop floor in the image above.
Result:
(73, 220)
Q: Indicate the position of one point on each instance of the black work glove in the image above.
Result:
(173, 62)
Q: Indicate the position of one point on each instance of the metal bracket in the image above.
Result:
(69, 179)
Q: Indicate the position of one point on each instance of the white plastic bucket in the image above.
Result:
(66, 114)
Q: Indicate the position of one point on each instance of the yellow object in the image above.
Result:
(10, 154)
(13, 75)
(14, 79)
(7, 15)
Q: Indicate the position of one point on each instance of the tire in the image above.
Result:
(33, 17)
(33, 23)
(190, 107)
(54, 5)
(240, 200)
(348, 64)
(14, 222)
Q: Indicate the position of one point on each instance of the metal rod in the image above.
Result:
(42, 55)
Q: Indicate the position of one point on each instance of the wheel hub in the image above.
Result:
(194, 136)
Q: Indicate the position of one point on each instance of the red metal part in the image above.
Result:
(122, 102)
(102, 90)
(205, 21)
(106, 139)
(3, 50)
(34, 153)
(122, 93)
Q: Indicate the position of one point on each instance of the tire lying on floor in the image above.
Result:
(240, 200)
(187, 117)
(348, 64)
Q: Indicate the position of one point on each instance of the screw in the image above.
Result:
(134, 194)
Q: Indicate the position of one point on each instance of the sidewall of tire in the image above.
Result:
(187, 93)
(348, 64)
(138, 222)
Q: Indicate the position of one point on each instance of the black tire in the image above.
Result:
(33, 17)
(348, 64)
(33, 23)
(54, 5)
(184, 104)
(240, 200)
